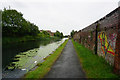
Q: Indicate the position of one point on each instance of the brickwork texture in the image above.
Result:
(103, 38)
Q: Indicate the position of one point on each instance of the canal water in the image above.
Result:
(18, 59)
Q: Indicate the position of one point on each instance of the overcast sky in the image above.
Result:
(62, 15)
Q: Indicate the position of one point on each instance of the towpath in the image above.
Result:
(67, 65)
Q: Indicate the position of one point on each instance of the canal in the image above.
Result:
(18, 59)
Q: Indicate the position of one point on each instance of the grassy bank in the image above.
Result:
(93, 65)
(9, 40)
(44, 68)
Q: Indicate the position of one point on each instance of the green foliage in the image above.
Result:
(72, 33)
(0, 18)
(13, 24)
(94, 66)
(45, 33)
(16, 29)
(58, 34)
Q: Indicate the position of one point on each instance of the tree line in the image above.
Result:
(58, 34)
(13, 24)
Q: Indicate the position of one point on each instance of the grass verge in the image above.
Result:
(44, 68)
(93, 65)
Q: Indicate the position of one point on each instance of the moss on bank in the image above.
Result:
(44, 68)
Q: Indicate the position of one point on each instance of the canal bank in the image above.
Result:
(26, 60)
(14, 40)
(43, 68)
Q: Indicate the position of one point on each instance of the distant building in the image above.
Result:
(51, 33)
(41, 30)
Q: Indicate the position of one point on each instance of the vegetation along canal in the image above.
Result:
(22, 57)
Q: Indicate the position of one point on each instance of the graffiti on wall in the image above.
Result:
(105, 45)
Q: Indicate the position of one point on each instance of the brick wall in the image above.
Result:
(103, 38)
(117, 52)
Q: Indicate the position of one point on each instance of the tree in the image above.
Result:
(61, 35)
(72, 33)
(45, 33)
(13, 24)
(58, 34)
